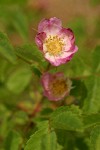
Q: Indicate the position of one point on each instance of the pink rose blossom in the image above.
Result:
(56, 86)
(55, 42)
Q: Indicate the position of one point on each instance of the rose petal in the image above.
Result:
(46, 23)
(45, 80)
(66, 54)
(39, 39)
(52, 59)
(67, 32)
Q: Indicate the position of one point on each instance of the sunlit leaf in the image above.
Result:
(66, 118)
(6, 48)
(91, 120)
(30, 53)
(77, 67)
(43, 139)
(96, 60)
(92, 101)
(13, 141)
(95, 138)
(18, 80)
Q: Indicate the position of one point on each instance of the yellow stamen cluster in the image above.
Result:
(58, 87)
(54, 45)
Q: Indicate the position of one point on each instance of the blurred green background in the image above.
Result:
(21, 64)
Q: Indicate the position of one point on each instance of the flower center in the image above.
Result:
(58, 87)
(54, 45)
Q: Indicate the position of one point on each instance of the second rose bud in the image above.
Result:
(55, 86)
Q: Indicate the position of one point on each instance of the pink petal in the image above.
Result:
(69, 33)
(39, 39)
(66, 54)
(56, 21)
(52, 59)
(45, 80)
(42, 25)
(52, 97)
(45, 23)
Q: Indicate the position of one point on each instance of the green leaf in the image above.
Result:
(30, 53)
(79, 86)
(43, 139)
(95, 138)
(91, 120)
(18, 80)
(19, 21)
(6, 48)
(71, 140)
(5, 123)
(13, 141)
(10, 2)
(92, 101)
(4, 65)
(67, 118)
(77, 67)
(97, 31)
(95, 2)
(96, 60)
(66, 139)
(20, 118)
(36, 71)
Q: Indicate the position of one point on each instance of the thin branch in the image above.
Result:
(29, 62)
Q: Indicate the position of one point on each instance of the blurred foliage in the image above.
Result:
(55, 127)
(95, 2)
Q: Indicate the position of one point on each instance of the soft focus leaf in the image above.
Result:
(36, 71)
(91, 120)
(30, 53)
(18, 80)
(35, 140)
(97, 31)
(4, 123)
(95, 2)
(6, 48)
(70, 140)
(43, 139)
(20, 23)
(96, 59)
(66, 118)
(78, 85)
(9, 2)
(95, 138)
(77, 67)
(92, 101)
(13, 141)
